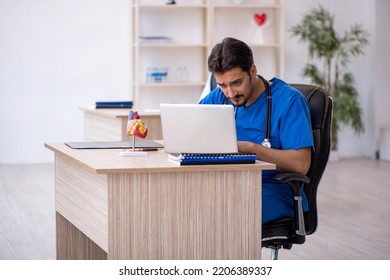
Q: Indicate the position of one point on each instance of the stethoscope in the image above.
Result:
(266, 142)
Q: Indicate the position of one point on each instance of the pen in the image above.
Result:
(143, 149)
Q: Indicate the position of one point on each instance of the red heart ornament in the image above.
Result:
(260, 19)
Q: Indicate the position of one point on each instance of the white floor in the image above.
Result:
(353, 201)
(27, 215)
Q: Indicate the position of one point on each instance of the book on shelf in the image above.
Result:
(113, 104)
(155, 39)
(224, 158)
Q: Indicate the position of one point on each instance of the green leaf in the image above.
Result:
(329, 56)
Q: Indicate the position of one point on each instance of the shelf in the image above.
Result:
(169, 45)
(192, 28)
(171, 7)
(243, 6)
(184, 84)
(264, 45)
(161, 45)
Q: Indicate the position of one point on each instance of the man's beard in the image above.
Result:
(239, 100)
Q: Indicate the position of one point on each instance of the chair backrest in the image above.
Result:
(320, 104)
(321, 108)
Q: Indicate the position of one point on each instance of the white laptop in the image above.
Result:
(196, 128)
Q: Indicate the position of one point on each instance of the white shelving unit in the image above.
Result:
(181, 36)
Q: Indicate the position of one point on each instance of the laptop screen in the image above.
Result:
(198, 128)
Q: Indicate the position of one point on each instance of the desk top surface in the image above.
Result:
(121, 112)
(104, 161)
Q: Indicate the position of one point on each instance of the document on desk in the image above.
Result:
(139, 144)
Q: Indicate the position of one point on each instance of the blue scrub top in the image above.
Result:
(290, 129)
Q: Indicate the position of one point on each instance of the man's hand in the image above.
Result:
(297, 161)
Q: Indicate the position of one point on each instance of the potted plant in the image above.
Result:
(329, 55)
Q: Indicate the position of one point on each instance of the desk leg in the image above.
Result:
(72, 244)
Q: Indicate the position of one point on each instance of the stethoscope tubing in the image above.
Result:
(267, 140)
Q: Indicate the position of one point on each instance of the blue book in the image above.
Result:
(226, 158)
(113, 104)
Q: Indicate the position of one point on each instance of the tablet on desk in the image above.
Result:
(198, 128)
(139, 144)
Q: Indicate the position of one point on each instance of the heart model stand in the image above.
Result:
(133, 152)
(135, 127)
(260, 22)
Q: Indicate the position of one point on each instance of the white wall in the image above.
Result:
(55, 56)
(58, 55)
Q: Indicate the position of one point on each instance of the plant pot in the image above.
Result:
(384, 143)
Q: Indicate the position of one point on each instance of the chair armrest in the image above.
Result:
(295, 182)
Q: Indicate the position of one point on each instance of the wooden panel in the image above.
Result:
(110, 124)
(200, 215)
(153, 123)
(81, 197)
(101, 128)
(72, 244)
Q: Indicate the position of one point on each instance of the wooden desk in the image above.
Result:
(113, 207)
(110, 124)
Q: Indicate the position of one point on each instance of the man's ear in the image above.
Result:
(253, 71)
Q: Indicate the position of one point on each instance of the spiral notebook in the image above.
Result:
(225, 158)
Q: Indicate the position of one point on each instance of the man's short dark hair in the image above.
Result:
(229, 54)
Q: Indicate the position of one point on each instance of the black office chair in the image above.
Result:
(283, 233)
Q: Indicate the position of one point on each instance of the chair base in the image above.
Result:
(275, 250)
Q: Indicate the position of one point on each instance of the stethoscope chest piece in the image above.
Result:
(266, 143)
